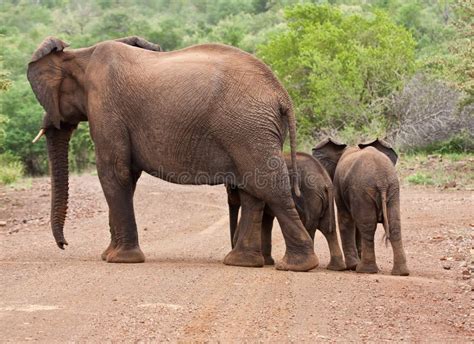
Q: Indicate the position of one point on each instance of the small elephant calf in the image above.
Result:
(315, 207)
(367, 192)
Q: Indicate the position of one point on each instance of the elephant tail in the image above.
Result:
(290, 115)
(383, 198)
(332, 215)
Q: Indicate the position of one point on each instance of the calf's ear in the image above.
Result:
(328, 152)
(384, 147)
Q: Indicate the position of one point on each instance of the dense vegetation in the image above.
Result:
(355, 69)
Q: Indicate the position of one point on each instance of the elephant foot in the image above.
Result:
(401, 270)
(125, 255)
(268, 260)
(104, 254)
(336, 264)
(298, 262)
(351, 263)
(367, 268)
(244, 258)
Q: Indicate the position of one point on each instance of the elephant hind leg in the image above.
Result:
(337, 261)
(399, 259)
(368, 262)
(347, 231)
(299, 255)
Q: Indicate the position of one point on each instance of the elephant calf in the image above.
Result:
(367, 193)
(315, 207)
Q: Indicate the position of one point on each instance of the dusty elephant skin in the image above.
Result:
(367, 193)
(208, 114)
(315, 207)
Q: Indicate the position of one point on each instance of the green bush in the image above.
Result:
(460, 143)
(420, 178)
(10, 169)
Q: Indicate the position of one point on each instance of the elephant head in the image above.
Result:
(328, 152)
(57, 78)
(384, 147)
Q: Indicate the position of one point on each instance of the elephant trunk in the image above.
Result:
(58, 144)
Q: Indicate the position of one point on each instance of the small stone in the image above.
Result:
(437, 238)
(3, 223)
(446, 267)
(145, 228)
(448, 185)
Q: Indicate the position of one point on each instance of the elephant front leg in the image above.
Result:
(247, 250)
(233, 201)
(267, 226)
(112, 244)
(233, 220)
(337, 261)
(113, 241)
(118, 182)
(359, 243)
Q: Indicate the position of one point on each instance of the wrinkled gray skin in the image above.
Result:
(207, 114)
(367, 192)
(315, 207)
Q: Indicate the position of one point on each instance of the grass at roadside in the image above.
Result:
(11, 169)
(450, 170)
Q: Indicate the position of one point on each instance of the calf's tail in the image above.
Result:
(383, 199)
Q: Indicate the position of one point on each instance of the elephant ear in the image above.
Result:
(328, 152)
(139, 42)
(45, 76)
(382, 146)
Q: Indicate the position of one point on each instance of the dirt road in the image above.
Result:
(184, 292)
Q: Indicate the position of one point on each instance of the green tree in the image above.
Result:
(462, 48)
(338, 68)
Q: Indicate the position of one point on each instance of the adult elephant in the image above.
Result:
(207, 114)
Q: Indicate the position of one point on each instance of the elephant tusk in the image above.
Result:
(41, 133)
